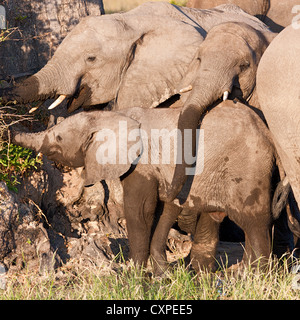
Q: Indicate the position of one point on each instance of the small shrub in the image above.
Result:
(15, 161)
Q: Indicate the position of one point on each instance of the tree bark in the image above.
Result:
(36, 28)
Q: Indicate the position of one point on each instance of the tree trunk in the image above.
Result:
(36, 28)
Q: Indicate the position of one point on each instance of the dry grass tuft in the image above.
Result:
(125, 282)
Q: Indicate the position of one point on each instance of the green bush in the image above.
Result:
(16, 161)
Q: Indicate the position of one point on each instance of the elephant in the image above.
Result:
(278, 93)
(228, 61)
(106, 58)
(91, 63)
(277, 14)
(203, 20)
(256, 8)
(233, 173)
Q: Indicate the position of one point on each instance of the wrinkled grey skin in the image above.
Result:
(280, 100)
(228, 61)
(108, 57)
(238, 160)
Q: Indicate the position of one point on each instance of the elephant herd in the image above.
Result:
(201, 106)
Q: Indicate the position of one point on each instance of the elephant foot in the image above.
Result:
(203, 263)
(240, 266)
(163, 277)
(260, 264)
(161, 270)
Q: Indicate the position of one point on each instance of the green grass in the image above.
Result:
(130, 283)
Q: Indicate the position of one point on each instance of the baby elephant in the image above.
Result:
(232, 176)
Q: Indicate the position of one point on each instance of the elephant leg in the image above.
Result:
(160, 236)
(257, 241)
(205, 243)
(140, 202)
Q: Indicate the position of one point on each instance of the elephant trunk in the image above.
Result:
(211, 86)
(32, 141)
(205, 93)
(41, 86)
(25, 91)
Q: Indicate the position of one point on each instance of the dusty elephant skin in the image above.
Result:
(229, 58)
(277, 14)
(280, 99)
(238, 160)
(106, 58)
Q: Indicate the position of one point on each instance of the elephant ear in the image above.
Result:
(159, 60)
(111, 148)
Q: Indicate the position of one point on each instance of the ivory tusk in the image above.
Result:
(35, 108)
(225, 95)
(58, 101)
(187, 89)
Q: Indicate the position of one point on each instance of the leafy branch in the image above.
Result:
(15, 161)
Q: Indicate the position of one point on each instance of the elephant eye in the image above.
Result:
(91, 59)
(58, 138)
(245, 65)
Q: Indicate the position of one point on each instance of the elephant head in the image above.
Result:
(108, 57)
(229, 58)
(96, 140)
(228, 61)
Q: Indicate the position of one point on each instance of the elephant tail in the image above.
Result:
(280, 197)
(280, 200)
(293, 221)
